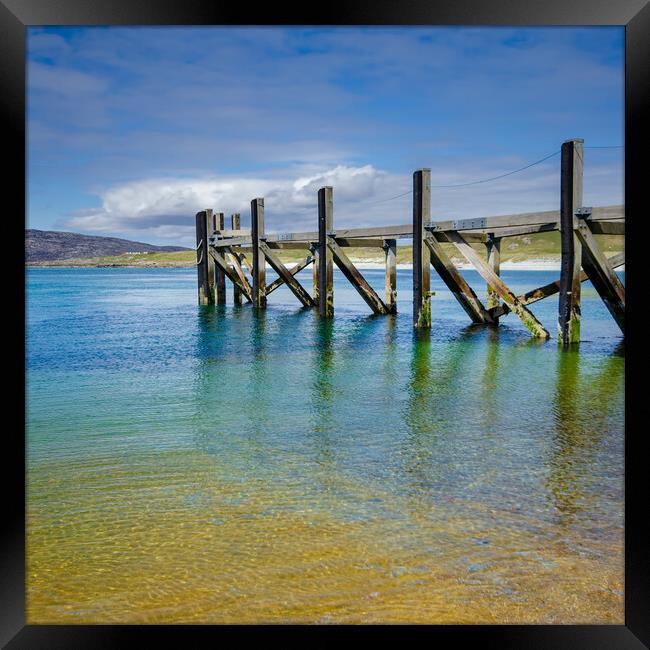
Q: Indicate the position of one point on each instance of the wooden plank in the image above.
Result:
(494, 262)
(235, 224)
(400, 231)
(570, 201)
(456, 283)
(202, 258)
(552, 288)
(602, 275)
(219, 257)
(259, 259)
(359, 242)
(291, 282)
(606, 227)
(288, 245)
(421, 255)
(516, 306)
(390, 251)
(356, 279)
(325, 258)
(219, 277)
(294, 270)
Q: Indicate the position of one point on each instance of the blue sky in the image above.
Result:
(132, 130)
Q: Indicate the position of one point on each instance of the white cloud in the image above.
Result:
(162, 209)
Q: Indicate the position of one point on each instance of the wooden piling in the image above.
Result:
(313, 249)
(210, 221)
(390, 250)
(421, 256)
(259, 260)
(235, 224)
(325, 257)
(570, 201)
(219, 276)
(202, 264)
(493, 246)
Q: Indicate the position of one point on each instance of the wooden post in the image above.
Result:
(219, 276)
(212, 269)
(421, 256)
(202, 267)
(325, 257)
(235, 224)
(259, 261)
(313, 248)
(390, 249)
(493, 245)
(570, 200)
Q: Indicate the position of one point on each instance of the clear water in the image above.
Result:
(214, 464)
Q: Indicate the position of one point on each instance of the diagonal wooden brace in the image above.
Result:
(234, 258)
(552, 288)
(286, 275)
(513, 302)
(223, 264)
(602, 275)
(278, 282)
(356, 279)
(456, 283)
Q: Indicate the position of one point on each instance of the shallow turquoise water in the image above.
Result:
(359, 422)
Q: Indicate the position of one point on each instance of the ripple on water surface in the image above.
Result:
(194, 464)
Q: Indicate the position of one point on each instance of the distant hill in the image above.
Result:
(46, 245)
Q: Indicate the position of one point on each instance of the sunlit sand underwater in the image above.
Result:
(213, 465)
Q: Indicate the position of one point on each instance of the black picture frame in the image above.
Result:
(16, 15)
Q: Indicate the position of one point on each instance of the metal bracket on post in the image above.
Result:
(583, 213)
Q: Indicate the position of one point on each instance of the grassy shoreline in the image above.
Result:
(543, 247)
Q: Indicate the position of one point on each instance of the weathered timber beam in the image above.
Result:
(359, 242)
(286, 275)
(493, 246)
(259, 268)
(421, 255)
(325, 258)
(239, 271)
(602, 275)
(235, 223)
(456, 283)
(571, 172)
(224, 233)
(288, 245)
(516, 306)
(229, 272)
(213, 271)
(550, 289)
(476, 237)
(606, 227)
(390, 252)
(219, 277)
(356, 279)
(315, 268)
(537, 221)
(202, 266)
(294, 270)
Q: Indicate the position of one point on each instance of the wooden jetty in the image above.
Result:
(241, 254)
